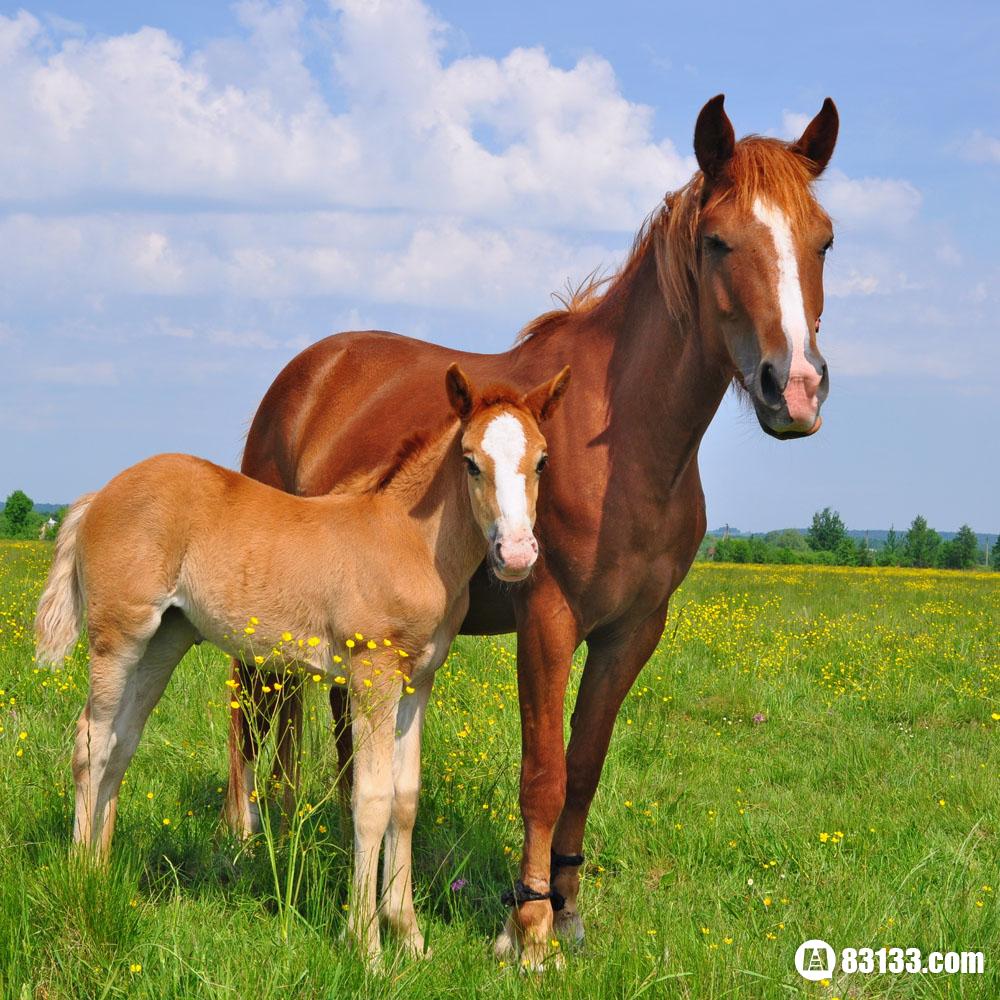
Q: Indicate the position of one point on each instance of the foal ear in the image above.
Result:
(543, 400)
(460, 392)
(714, 139)
(819, 138)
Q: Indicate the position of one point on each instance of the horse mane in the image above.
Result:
(759, 168)
(420, 444)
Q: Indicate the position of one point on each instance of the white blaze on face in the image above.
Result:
(793, 309)
(505, 443)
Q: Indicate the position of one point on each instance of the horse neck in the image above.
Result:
(665, 381)
(431, 489)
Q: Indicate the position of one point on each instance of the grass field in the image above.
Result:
(810, 753)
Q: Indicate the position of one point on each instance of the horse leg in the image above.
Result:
(373, 724)
(610, 671)
(249, 724)
(124, 688)
(546, 638)
(397, 865)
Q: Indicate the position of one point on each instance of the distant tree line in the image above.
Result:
(827, 543)
(20, 519)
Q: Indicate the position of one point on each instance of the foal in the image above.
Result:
(176, 549)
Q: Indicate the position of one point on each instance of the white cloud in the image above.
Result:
(377, 175)
(853, 282)
(245, 121)
(793, 124)
(870, 202)
(982, 148)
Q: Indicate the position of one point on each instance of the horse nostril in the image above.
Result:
(767, 384)
(824, 382)
(497, 552)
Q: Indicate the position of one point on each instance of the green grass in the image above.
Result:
(864, 811)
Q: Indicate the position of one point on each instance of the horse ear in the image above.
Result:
(460, 392)
(817, 142)
(543, 400)
(714, 139)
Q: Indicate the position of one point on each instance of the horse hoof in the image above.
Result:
(568, 927)
(504, 946)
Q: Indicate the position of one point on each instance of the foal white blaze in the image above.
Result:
(803, 379)
(515, 548)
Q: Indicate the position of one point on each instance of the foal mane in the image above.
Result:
(760, 168)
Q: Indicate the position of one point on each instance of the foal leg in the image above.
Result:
(610, 671)
(373, 714)
(124, 688)
(397, 864)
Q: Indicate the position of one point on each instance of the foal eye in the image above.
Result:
(542, 462)
(471, 466)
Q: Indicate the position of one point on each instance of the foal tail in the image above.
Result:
(60, 610)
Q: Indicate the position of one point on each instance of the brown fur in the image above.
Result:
(653, 351)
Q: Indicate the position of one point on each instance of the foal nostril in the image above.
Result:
(497, 552)
(767, 385)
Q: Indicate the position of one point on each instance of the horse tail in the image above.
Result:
(60, 610)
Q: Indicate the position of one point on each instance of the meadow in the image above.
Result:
(811, 752)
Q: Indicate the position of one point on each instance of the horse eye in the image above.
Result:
(717, 243)
(473, 469)
(826, 247)
(542, 462)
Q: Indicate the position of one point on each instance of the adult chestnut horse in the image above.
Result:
(724, 282)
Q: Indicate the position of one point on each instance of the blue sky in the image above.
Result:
(190, 193)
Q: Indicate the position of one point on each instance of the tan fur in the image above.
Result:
(176, 548)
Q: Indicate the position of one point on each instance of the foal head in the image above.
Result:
(504, 454)
(762, 238)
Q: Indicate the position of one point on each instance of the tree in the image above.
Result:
(968, 546)
(826, 531)
(864, 556)
(995, 555)
(846, 553)
(921, 544)
(16, 510)
(787, 538)
(891, 541)
(962, 552)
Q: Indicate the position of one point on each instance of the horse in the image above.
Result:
(724, 284)
(175, 549)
